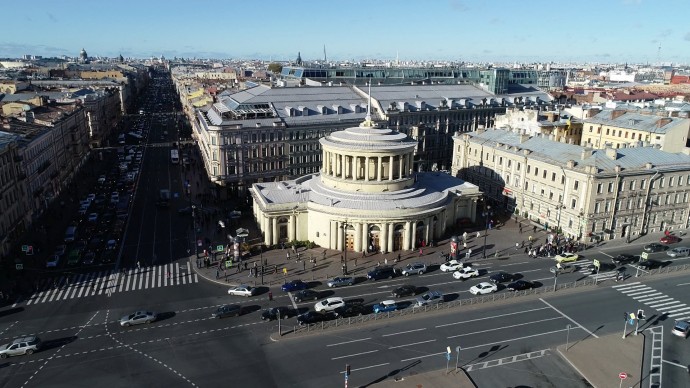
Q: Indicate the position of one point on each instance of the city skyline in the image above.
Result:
(455, 30)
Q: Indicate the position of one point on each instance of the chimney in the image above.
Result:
(611, 153)
(616, 114)
(586, 153)
(524, 137)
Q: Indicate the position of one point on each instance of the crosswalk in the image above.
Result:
(584, 263)
(655, 299)
(111, 281)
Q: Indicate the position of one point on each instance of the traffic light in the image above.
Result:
(347, 369)
(640, 314)
(626, 316)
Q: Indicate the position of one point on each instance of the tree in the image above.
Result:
(275, 67)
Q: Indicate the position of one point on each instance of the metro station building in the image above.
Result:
(366, 195)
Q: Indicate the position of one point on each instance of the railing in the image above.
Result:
(544, 289)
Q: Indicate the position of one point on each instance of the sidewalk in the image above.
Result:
(600, 360)
(434, 379)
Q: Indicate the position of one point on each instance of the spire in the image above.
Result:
(367, 120)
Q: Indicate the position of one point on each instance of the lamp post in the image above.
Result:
(487, 214)
(344, 227)
(196, 246)
(558, 221)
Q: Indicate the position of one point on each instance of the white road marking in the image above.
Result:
(365, 367)
(493, 316)
(404, 332)
(354, 355)
(412, 344)
(504, 327)
(294, 305)
(570, 319)
(349, 342)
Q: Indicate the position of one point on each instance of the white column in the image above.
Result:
(323, 161)
(406, 236)
(355, 170)
(383, 239)
(391, 236)
(365, 236)
(379, 168)
(274, 227)
(413, 240)
(366, 169)
(268, 231)
(291, 227)
(358, 238)
(390, 167)
(339, 230)
(427, 230)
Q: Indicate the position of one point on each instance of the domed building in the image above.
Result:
(365, 197)
(83, 57)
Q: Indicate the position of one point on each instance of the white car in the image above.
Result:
(242, 290)
(329, 304)
(483, 288)
(451, 266)
(465, 273)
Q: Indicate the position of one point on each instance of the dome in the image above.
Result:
(367, 137)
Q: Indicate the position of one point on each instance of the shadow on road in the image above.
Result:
(392, 373)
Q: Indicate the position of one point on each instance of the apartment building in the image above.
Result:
(561, 124)
(586, 193)
(13, 198)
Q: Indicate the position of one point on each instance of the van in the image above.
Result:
(70, 234)
(679, 252)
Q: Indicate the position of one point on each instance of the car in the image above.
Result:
(272, 313)
(679, 252)
(603, 267)
(228, 310)
(20, 346)
(563, 268)
(351, 310)
(341, 281)
(404, 290)
(102, 179)
(649, 264)
(91, 197)
(681, 329)
(624, 259)
(242, 290)
(89, 258)
(60, 250)
(483, 288)
(93, 217)
(306, 295)
(312, 317)
(83, 210)
(520, 285)
(384, 306)
(53, 261)
(566, 257)
(381, 273)
(74, 257)
(429, 297)
(465, 273)
(184, 210)
(137, 318)
(414, 268)
(111, 244)
(669, 239)
(451, 266)
(329, 304)
(654, 247)
(500, 277)
(294, 285)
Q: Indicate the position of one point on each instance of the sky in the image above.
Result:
(604, 31)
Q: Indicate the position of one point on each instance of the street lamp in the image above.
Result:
(487, 214)
(344, 227)
(196, 246)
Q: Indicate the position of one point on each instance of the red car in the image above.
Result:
(669, 239)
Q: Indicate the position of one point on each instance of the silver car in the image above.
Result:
(137, 318)
(24, 345)
(341, 281)
(414, 268)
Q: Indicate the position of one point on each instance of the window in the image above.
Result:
(610, 190)
(576, 185)
(607, 131)
(573, 203)
(536, 173)
(528, 168)
(600, 187)
(543, 174)
(597, 207)
(553, 177)
(517, 167)
(632, 185)
(644, 181)
(661, 182)
(670, 182)
(607, 206)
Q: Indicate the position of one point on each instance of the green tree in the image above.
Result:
(275, 67)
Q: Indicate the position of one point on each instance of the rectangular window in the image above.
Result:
(536, 172)
(573, 203)
(670, 182)
(576, 185)
(600, 187)
(610, 187)
(529, 168)
(661, 182)
(597, 207)
(553, 177)
(543, 175)
(632, 185)
(643, 183)
(517, 167)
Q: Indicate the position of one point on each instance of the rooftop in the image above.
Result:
(633, 120)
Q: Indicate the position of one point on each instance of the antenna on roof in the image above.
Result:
(369, 104)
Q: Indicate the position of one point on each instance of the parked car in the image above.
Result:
(650, 264)
(53, 261)
(313, 317)
(500, 277)
(384, 306)
(669, 239)
(137, 318)
(679, 252)
(624, 259)
(89, 258)
(381, 273)
(20, 346)
(276, 312)
(329, 304)
(306, 295)
(465, 273)
(566, 257)
(414, 269)
(294, 285)
(451, 266)
(341, 281)
(228, 310)
(351, 310)
(654, 247)
(404, 290)
(520, 285)
(242, 290)
(681, 329)
(429, 297)
(483, 288)
(563, 268)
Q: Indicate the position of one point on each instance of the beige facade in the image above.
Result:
(585, 192)
(560, 124)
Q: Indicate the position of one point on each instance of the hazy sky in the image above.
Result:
(476, 30)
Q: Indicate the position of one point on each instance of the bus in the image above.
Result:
(174, 157)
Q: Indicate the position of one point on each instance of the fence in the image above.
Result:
(545, 289)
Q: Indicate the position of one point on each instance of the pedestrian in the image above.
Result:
(520, 229)
(304, 266)
(288, 255)
(342, 260)
(478, 234)
(364, 253)
(217, 273)
(324, 254)
(245, 265)
(138, 265)
(464, 236)
(534, 229)
(398, 256)
(355, 261)
(385, 261)
(421, 252)
(168, 274)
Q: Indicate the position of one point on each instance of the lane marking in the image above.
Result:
(403, 332)
(354, 355)
(412, 344)
(294, 305)
(682, 284)
(504, 327)
(625, 285)
(349, 342)
(605, 254)
(570, 319)
(366, 367)
(493, 316)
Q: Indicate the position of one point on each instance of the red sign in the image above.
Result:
(622, 375)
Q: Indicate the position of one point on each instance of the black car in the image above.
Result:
(404, 290)
(654, 247)
(306, 295)
(313, 317)
(500, 277)
(520, 285)
(275, 312)
(624, 259)
(382, 273)
(351, 310)
(228, 310)
(650, 264)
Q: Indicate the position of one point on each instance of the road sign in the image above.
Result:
(644, 256)
(25, 248)
(199, 242)
(631, 322)
(19, 267)
(622, 375)
(596, 263)
(219, 248)
(632, 316)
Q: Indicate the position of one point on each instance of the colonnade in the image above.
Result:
(367, 168)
